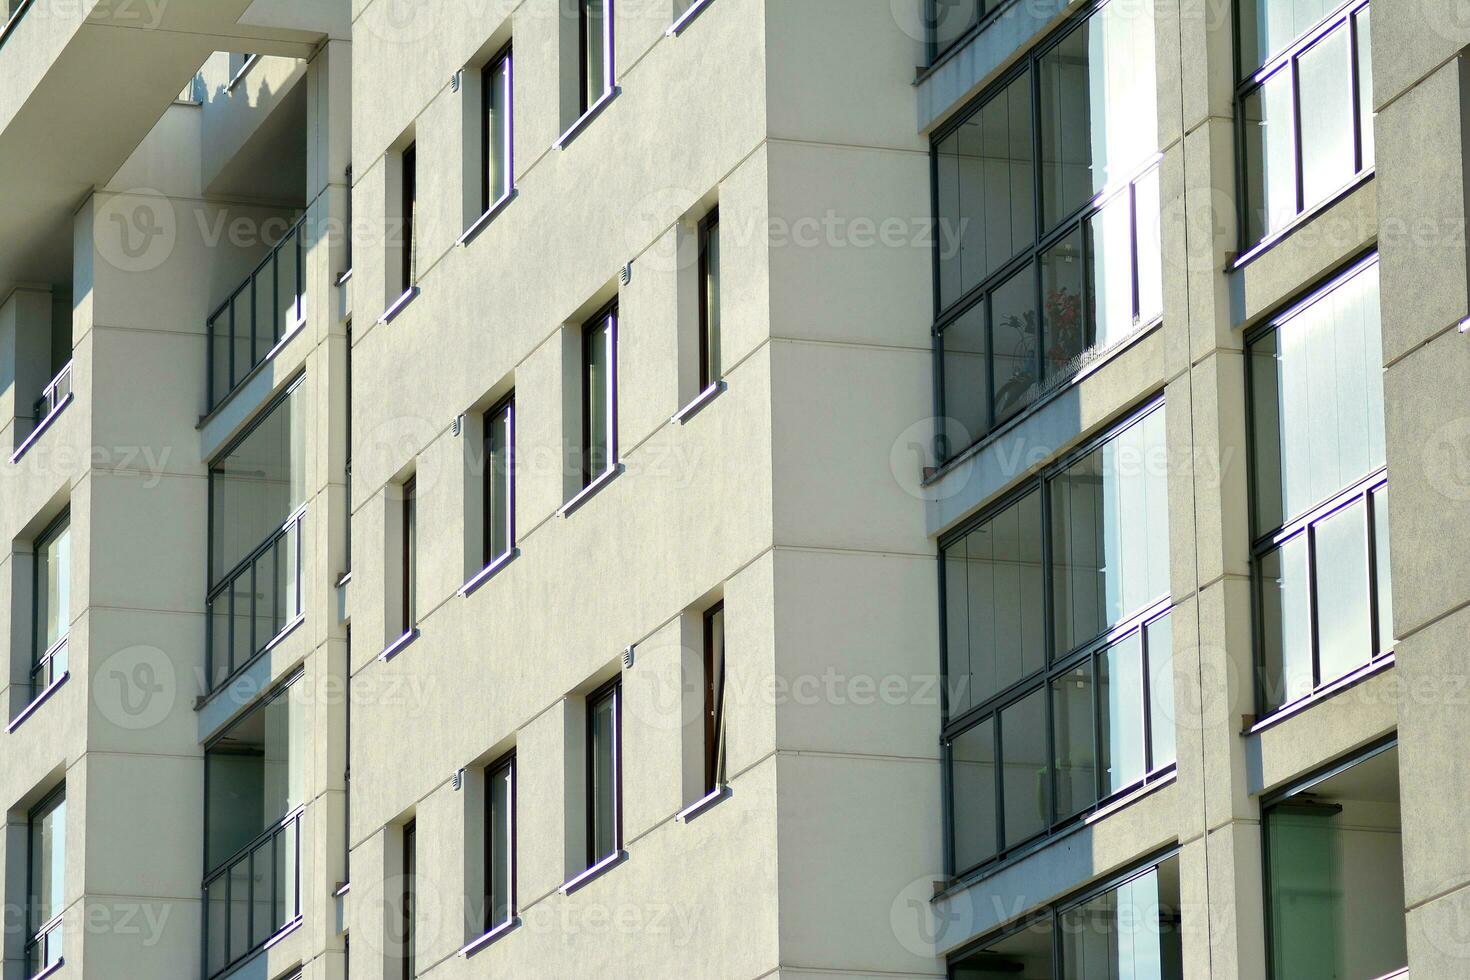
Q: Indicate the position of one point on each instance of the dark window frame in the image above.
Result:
(1047, 234)
(409, 897)
(408, 547)
(34, 925)
(607, 318)
(585, 100)
(43, 657)
(710, 371)
(1268, 541)
(1248, 83)
(408, 205)
(487, 87)
(986, 11)
(1056, 665)
(504, 407)
(506, 764)
(611, 691)
(715, 746)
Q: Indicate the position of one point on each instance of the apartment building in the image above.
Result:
(734, 488)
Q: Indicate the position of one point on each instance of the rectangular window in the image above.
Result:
(255, 789)
(1047, 194)
(604, 773)
(257, 504)
(410, 899)
(1335, 874)
(1320, 489)
(52, 586)
(497, 94)
(599, 395)
(714, 698)
(409, 215)
(947, 22)
(710, 366)
(595, 27)
(1130, 928)
(47, 873)
(500, 843)
(1058, 649)
(409, 546)
(1306, 107)
(500, 513)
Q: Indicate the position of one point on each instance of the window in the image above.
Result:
(947, 22)
(1128, 929)
(1320, 489)
(599, 395)
(604, 773)
(257, 502)
(500, 843)
(410, 899)
(52, 586)
(1305, 100)
(46, 835)
(496, 81)
(1058, 646)
(710, 366)
(409, 215)
(1048, 251)
(409, 551)
(1335, 873)
(595, 38)
(714, 698)
(254, 793)
(500, 512)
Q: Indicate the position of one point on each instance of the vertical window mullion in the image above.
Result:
(1312, 614)
(1294, 70)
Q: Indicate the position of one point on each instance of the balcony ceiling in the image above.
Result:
(78, 93)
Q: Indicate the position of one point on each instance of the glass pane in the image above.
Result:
(254, 776)
(595, 25)
(994, 612)
(1110, 271)
(1023, 767)
(1013, 333)
(992, 216)
(1304, 891)
(498, 130)
(48, 862)
(1327, 117)
(287, 865)
(1268, 27)
(1317, 398)
(967, 375)
(972, 773)
(288, 290)
(947, 21)
(1160, 635)
(53, 587)
(1099, 119)
(216, 925)
(258, 484)
(1120, 698)
(498, 475)
(1067, 320)
(245, 328)
(1286, 631)
(500, 846)
(1270, 160)
(1022, 956)
(598, 391)
(1344, 631)
(1072, 734)
(1148, 195)
(604, 775)
(262, 907)
(219, 352)
(1110, 554)
(712, 367)
(1382, 570)
(1365, 85)
(948, 238)
(1129, 932)
(240, 938)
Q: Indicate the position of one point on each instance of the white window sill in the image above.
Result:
(686, 18)
(585, 119)
(483, 221)
(697, 403)
(593, 873)
(41, 428)
(398, 305)
(702, 804)
(397, 646)
(36, 702)
(504, 929)
(590, 491)
(488, 572)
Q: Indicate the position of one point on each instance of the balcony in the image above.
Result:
(43, 952)
(54, 397)
(264, 311)
(255, 604)
(254, 896)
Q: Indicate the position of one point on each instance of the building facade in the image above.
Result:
(734, 488)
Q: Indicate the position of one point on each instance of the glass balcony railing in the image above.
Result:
(255, 603)
(44, 951)
(51, 666)
(268, 307)
(10, 14)
(54, 396)
(253, 895)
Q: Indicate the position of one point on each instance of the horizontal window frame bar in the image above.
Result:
(1358, 490)
(275, 829)
(259, 551)
(1246, 83)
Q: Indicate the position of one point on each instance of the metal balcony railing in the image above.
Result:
(269, 306)
(44, 949)
(17, 11)
(253, 895)
(53, 396)
(51, 666)
(252, 605)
